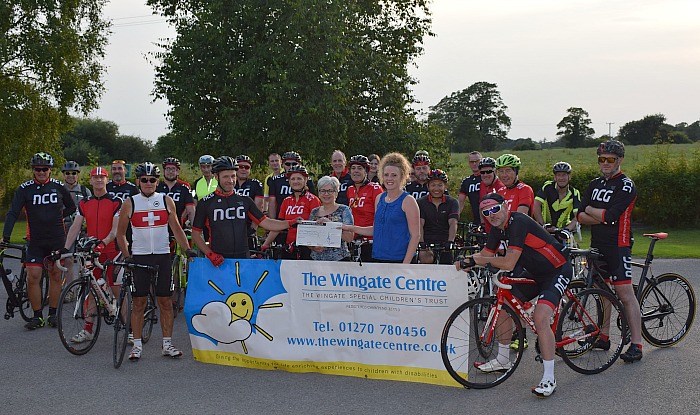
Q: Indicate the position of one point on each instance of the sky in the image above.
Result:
(617, 59)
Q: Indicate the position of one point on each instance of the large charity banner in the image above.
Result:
(380, 321)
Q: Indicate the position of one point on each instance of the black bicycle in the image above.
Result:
(667, 301)
(122, 325)
(16, 285)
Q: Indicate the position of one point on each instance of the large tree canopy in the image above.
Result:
(50, 63)
(253, 76)
(476, 117)
(575, 128)
(651, 129)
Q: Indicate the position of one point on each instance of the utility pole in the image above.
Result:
(610, 129)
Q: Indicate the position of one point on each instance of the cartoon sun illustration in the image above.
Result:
(237, 322)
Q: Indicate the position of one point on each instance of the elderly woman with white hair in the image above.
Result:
(331, 211)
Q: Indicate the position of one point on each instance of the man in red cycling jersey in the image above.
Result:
(519, 196)
(533, 249)
(100, 213)
(361, 196)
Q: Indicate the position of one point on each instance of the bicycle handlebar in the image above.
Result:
(78, 254)
(132, 265)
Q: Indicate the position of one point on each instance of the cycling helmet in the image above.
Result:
(71, 166)
(421, 159)
(292, 155)
(297, 169)
(147, 169)
(612, 147)
(508, 160)
(206, 159)
(171, 161)
(437, 174)
(360, 160)
(422, 153)
(41, 159)
(487, 162)
(224, 163)
(561, 167)
(245, 158)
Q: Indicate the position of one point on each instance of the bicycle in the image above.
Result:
(356, 247)
(180, 265)
(469, 336)
(470, 234)
(122, 325)
(667, 301)
(84, 302)
(16, 286)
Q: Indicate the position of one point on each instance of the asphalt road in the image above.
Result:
(39, 375)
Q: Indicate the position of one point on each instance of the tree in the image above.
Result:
(649, 130)
(50, 56)
(93, 135)
(475, 112)
(253, 77)
(575, 128)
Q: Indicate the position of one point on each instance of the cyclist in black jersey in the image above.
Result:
(46, 203)
(177, 189)
(421, 168)
(279, 185)
(439, 214)
(252, 188)
(607, 205)
(470, 187)
(225, 213)
(119, 186)
(557, 202)
(342, 173)
(534, 250)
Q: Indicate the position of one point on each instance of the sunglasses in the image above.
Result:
(290, 163)
(151, 180)
(607, 159)
(486, 172)
(491, 211)
(118, 162)
(243, 167)
(70, 173)
(41, 169)
(326, 191)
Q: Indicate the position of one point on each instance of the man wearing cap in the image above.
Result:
(100, 213)
(119, 186)
(533, 249)
(71, 181)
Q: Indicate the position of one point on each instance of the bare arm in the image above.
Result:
(453, 229)
(410, 208)
(537, 214)
(174, 223)
(272, 207)
(462, 198)
(112, 235)
(199, 241)
(123, 225)
(74, 231)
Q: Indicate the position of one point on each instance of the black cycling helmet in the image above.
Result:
(297, 169)
(206, 159)
(612, 147)
(41, 159)
(360, 160)
(71, 166)
(245, 158)
(487, 162)
(224, 163)
(147, 169)
(437, 174)
(291, 155)
(171, 161)
(562, 167)
(421, 159)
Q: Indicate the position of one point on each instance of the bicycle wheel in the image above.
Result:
(121, 327)
(178, 296)
(467, 342)
(44, 284)
(583, 320)
(668, 309)
(78, 305)
(149, 318)
(25, 308)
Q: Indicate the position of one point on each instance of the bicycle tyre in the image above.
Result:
(178, 277)
(592, 316)
(44, 285)
(25, 308)
(122, 324)
(78, 303)
(668, 309)
(461, 347)
(149, 318)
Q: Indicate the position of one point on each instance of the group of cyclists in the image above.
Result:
(372, 198)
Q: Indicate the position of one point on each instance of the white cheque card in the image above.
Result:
(310, 233)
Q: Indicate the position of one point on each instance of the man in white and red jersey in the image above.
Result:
(225, 215)
(298, 205)
(119, 186)
(607, 206)
(179, 190)
(519, 196)
(341, 172)
(361, 196)
(100, 213)
(150, 214)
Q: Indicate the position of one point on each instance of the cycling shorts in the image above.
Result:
(548, 290)
(616, 264)
(164, 278)
(37, 250)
